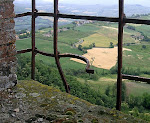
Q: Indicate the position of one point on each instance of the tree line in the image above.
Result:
(49, 75)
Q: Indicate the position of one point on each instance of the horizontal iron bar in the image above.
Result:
(88, 70)
(23, 14)
(44, 53)
(136, 78)
(24, 51)
(88, 17)
(45, 14)
(112, 19)
(137, 21)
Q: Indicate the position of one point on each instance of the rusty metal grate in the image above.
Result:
(122, 20)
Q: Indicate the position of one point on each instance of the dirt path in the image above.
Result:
(104, 58)
(110, 28)
(78, 43)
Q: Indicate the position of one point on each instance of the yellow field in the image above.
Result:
(104, 58)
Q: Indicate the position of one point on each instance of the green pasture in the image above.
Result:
(101, 34)
(87, 28)
(137, 88)
(137, 59)
(145, 29)
(132, 87)
(147, 17)
(100, 40)
(105, 35)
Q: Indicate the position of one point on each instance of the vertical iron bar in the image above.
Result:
(120, 41)
(55, 46)
(33, 41)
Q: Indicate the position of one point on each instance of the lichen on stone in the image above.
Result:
(31, 101)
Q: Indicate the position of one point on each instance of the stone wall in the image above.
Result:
(8, 60)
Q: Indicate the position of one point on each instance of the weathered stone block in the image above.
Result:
(7, 37)
(13, 58)
(7, 81)
(8, 66)
(7, 9)
(7, 24)
(7, 51)
(8, 61)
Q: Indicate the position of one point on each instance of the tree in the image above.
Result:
(111, 45)
(94, 45)
(123, 91)
(146, 100)
(131, 27)
(90, 46)
(80, 47)
(107, 91)
(144, 46)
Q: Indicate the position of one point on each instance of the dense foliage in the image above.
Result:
(46, 74)
(49, 75)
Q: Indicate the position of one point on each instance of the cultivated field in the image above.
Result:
(99, 39)
(107, 34)
(104, 58)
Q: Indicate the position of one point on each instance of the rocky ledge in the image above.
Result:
(33, 102)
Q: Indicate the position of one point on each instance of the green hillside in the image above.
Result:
(99, 33)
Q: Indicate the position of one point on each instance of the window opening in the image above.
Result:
(122, 20)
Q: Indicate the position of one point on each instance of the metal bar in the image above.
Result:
(55, 46)
(24, 51)
(88, 70)
(45, 14)
(108, 19)
(23, 14)
(97, 18)
(136, 78)
(120, 41)
(44, 53)
(88, 17)
(33, 41)
(79, 17)
(137, 21)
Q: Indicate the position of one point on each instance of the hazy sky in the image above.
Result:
(104, 2)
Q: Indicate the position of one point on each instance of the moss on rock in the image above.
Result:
(41, 103)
